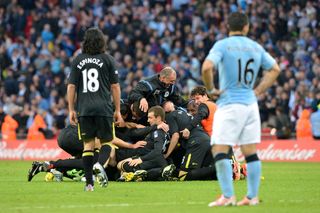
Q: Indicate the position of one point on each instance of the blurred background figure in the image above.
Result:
(38, 40)
(8, 126)
(315, 123)
(303, 127)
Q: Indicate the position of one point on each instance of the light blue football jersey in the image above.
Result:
(238, 60)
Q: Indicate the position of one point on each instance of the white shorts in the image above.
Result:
(236, 124)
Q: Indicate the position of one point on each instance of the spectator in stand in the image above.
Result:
(283, 125)
(316, 101)
(37, 128)
(8, 126)
(303, 127)
(158, 33)
(315, 123)
(46, 35)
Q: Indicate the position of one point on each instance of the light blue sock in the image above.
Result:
(224, 174)
(253, 179)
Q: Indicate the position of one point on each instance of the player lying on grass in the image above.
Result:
(68, 135)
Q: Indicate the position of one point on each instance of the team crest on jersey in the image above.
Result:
(166, 94)
(155, 134)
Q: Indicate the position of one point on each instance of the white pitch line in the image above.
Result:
(134, 204)
(291, 201)
(108, 205)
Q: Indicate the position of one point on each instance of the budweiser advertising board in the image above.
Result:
(268, 150)
(287, 150)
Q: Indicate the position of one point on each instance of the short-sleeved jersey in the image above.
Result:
(93, 75)
(238, 60)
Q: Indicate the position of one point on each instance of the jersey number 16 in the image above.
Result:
(90, 80)
(248, 73)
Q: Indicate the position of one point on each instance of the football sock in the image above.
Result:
(224, 174)
(254, 173)
(96, 155)
(87, 157)
(104, 154)
(67, 164)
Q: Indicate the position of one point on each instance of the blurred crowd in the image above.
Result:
(38, 39)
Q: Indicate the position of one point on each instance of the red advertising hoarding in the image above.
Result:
(31, 150)
(307, 150)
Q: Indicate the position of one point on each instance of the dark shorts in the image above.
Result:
(68, 140)
(96, 126)
(156, 162)
(124, 153)
(197, 147)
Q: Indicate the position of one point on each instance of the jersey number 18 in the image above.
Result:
(90, 80)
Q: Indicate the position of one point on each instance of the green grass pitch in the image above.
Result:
(287, 187)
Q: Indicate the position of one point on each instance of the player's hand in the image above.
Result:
(139, 144)
(119, 120)
(185, 133)
(214, 94)
(163, 126)
(135, 162)
(73, 118)
(256, 92)
(144, 105)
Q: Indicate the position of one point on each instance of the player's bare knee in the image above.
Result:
(220, 148)
(248, 149)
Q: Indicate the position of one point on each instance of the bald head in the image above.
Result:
(167, 71)
(168, 76)
(168, 106)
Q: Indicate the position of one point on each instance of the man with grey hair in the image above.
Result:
(157, 89)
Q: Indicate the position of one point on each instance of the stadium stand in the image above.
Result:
(39, 38)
